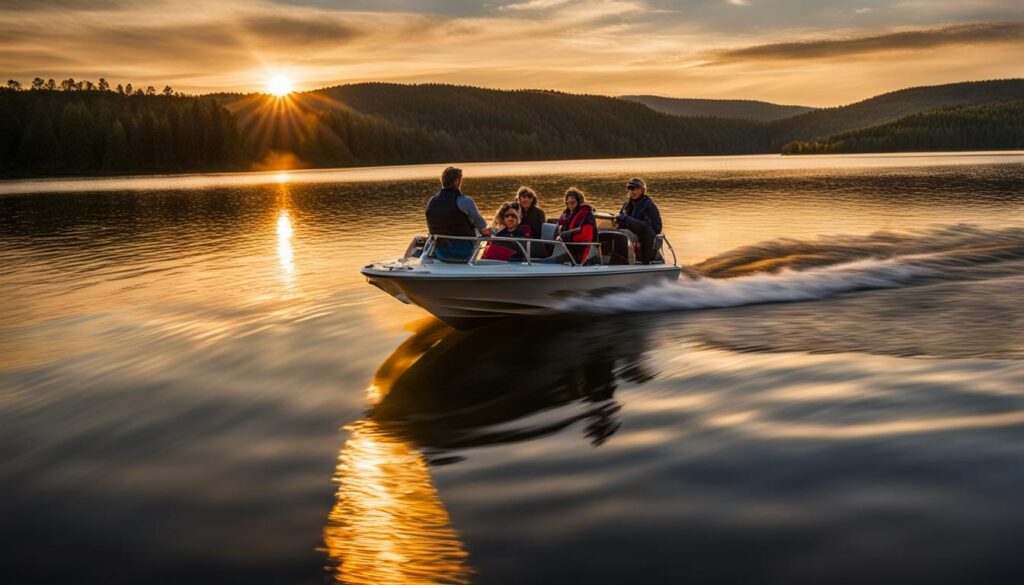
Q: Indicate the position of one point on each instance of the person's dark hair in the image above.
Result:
(529, 193)
(450, 176)
(577, 194)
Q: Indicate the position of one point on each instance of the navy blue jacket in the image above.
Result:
(640, 214)
(444, 216)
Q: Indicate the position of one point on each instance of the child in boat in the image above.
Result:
(513, 229)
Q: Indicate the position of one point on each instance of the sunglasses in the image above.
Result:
(512, 215)
(631, 188)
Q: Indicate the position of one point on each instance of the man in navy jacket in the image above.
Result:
(640, 215)
(452, 213)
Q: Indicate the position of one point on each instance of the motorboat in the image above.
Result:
(470, 289)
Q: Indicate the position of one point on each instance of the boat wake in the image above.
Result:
(788, 270)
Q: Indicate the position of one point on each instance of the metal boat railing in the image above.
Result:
(473, 258)
(675, 262)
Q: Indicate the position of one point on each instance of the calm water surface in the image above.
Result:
(197, 385)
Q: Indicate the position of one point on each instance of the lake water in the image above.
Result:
(197, 385)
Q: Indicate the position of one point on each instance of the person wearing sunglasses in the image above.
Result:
(513, 229)
(640, 215)
(499, 219)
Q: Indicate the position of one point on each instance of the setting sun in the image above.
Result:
(279, 85)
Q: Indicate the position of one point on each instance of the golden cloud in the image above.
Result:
(911, 40)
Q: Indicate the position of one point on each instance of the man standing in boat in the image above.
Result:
(451, 213)
(640, 215)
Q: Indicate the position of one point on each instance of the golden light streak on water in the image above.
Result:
(388, 524)
(285, 253)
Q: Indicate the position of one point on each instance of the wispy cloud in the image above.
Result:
(777, 51)
(534, 5)
(932, 38)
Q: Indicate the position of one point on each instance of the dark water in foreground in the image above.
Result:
(197, 386)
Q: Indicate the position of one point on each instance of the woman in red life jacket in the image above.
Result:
(577, 223)
(513, 229)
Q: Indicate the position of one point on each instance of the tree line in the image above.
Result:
(998, 126)
(78, 127)
(86, 85)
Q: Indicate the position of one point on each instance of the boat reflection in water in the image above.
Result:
(444, 391)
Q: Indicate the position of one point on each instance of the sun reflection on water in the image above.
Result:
(284, 244)
(388, 524)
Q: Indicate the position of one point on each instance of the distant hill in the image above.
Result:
(382, 123)
(738, 109)
(995, 126)
(82, 129)
(826, 122)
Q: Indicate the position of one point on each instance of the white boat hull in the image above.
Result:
(469, 296)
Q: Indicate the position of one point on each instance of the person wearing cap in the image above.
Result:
(640, 215)
(451, 213)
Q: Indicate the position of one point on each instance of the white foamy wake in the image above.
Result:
(784, 286)
(786, 270)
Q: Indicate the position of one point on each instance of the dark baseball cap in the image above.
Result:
(635, 182)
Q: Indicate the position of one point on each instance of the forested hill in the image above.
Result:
(83, 128)
(996, 126)
(826, 122)
(738, 109)
(562, 125)
(378, 123)
(88, 131)
(390, 123)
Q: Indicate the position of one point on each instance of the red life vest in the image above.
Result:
(583, 218)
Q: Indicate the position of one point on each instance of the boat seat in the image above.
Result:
(545, 252)
(558, 255)
(547, 231)
(618, 246)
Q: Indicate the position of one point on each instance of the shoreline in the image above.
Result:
(425, 171)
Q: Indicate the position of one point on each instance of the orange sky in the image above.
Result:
(811, 52)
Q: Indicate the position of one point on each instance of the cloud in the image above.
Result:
(296, 29)
(592, 46)
(913, 40)
(535, 5)
(36, 5)
(739, 2)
